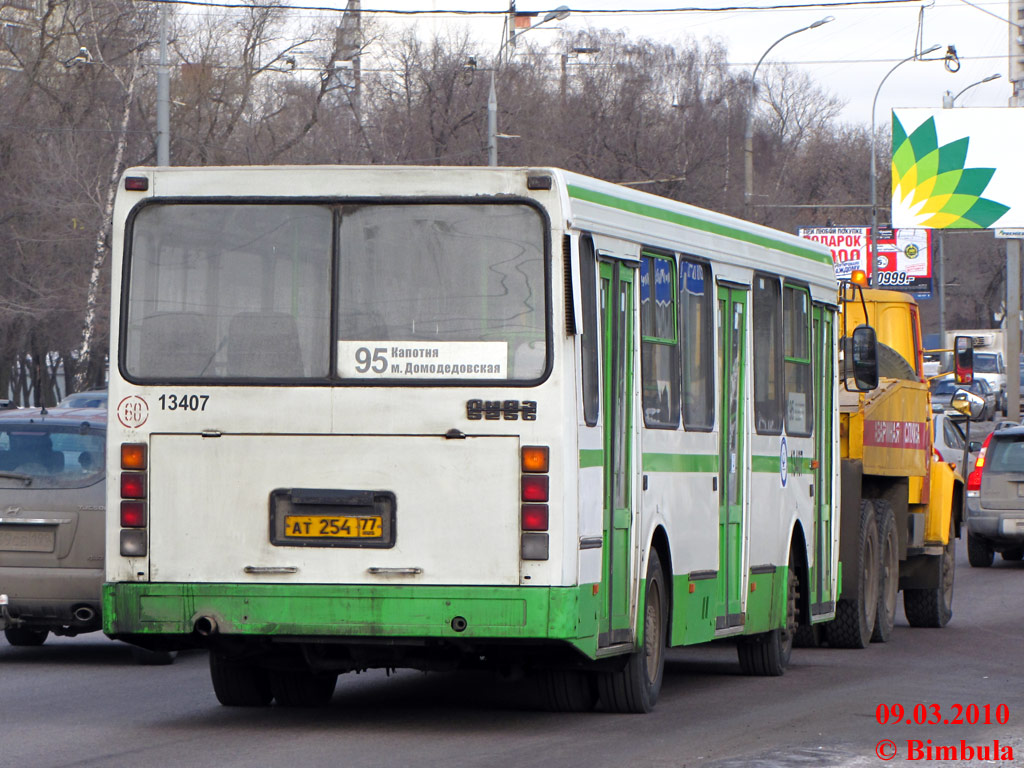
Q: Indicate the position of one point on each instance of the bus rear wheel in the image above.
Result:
(237, 684)
(635, 686)
(303, 688)
(767, 654)
(568, 690)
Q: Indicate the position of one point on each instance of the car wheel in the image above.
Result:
(24, 637)
(1014, 554)
(979, 551)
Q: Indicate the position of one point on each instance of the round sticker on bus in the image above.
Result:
(783, 463)
(132, 412)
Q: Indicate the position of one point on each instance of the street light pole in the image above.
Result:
(492, 99)
(873, 266)
(163, 96)
(748, 132)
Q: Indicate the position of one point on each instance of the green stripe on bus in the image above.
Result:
(673, 217)
(795, 465)
(680, 462)
(765, 464)
(591, 458)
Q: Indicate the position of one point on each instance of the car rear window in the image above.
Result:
(46, 456)
(1006, 454)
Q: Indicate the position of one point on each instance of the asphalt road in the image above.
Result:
(83, 702)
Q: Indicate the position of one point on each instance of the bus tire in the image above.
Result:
(634, 687)
(979, 552)
(888, 572)
(568, 690)
(24, 637)
(855, 617)
(237, 684)
(302, 688)
(933, 607)
(767, 654)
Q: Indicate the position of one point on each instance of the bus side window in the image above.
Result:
(797, 333)
(591, 331)
(768, 381)
(696, 320)
(660, 348)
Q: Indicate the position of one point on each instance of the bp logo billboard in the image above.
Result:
(957, 168)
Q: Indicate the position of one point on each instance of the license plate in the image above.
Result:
(332, 527)
(23, 538)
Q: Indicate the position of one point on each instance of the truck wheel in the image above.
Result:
(24, 637)
(635, 686)
(888, 573)
(855, 617)
(979, 552)
(767, 654)
(238, 684)
(934, 607)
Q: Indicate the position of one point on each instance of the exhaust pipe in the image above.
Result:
(206, 626)
(84, 614)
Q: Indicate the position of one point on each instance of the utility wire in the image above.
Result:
(576, 12)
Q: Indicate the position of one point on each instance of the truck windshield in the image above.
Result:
(421, 292)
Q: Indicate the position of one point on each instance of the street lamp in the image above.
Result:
(748, 133)
(948, 99)
(492, 99)
(873, 267)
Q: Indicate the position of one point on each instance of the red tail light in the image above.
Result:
(134, 462)
(974, 479)
(535, 487)
(535, 464)
(535, 517)
(133, 485)
(133, 514)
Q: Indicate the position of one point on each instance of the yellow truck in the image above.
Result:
(900, 507)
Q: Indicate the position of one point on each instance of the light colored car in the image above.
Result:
(995, 499)
(950, 440)
(52, 497)
(990, 367)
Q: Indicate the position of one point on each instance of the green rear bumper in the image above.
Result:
(316, 610)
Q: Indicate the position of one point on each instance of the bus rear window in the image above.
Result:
(243, 291)
(440, 292)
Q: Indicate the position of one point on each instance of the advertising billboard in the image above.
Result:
(957, 168)
(904, 255)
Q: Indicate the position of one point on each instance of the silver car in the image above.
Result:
(995, 510)
(52, 467)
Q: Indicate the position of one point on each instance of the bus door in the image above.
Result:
(732, 313)
(822, 599)
(616, 303)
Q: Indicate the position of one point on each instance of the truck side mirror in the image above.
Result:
(963, 360)
(864, 359)
(968, 403)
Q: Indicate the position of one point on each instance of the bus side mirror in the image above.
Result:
(963, 360)
(864, 359)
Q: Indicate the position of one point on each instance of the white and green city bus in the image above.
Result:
(381, 417)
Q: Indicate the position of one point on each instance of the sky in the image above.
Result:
(848, 57)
